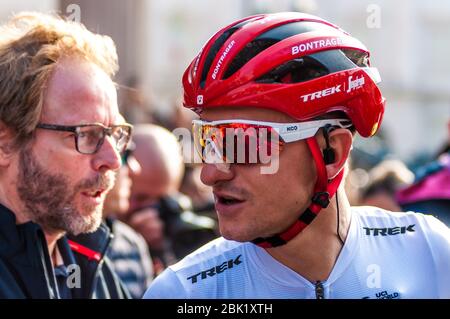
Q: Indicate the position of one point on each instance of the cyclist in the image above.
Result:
(299, 87)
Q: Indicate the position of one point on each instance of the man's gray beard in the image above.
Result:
(49, 201)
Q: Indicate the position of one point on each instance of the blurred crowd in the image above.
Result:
(159, 211)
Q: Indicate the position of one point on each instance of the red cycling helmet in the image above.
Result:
(291, 62)
(294, 63)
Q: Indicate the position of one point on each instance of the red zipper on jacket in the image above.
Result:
(89, 253)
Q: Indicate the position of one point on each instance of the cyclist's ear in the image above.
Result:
(338, 151)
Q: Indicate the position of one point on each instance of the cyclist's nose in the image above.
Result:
(214, 173)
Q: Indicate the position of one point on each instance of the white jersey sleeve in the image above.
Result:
(166, 286)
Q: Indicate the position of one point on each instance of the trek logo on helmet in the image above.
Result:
(321, 93)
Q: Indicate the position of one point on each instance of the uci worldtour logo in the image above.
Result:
(385, 295)
(351, 85)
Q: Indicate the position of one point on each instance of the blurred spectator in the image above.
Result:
(199, 193)
(181, 117)
(191, 185)
(158, 211)
(135, 104)
(446, 147)
(128, 251)
(385, 180)
(430, 192)
(367, 153)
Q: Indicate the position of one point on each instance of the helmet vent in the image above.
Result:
(360, 58)
(308, 67)
(216, 47)
(269, 38)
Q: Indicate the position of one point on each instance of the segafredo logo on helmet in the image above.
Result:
(354, 84)
(222, 58)
(313, 45)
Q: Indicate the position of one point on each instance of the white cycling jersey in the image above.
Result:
(385, 255)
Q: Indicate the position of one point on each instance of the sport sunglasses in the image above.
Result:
(248, 142)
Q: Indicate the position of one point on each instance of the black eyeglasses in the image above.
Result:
(90, 137)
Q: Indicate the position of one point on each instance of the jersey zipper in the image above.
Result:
(319, 290)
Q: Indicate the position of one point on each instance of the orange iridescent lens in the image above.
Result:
(238, 143)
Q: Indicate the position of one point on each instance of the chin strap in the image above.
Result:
(323, 191)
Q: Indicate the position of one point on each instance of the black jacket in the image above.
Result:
(26, 270)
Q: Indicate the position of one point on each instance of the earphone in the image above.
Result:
(328, 152)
